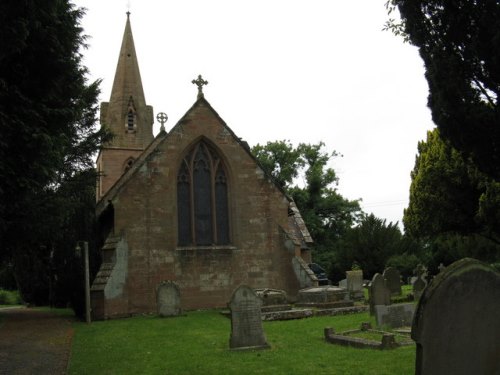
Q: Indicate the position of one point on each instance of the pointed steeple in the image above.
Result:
(127, 114)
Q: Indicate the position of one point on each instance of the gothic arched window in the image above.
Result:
(202, 198)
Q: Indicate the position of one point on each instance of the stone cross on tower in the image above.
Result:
(200, 82)
(162, 119)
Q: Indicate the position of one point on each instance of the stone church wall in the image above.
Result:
(146, 215)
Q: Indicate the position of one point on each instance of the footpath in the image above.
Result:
(34, 342)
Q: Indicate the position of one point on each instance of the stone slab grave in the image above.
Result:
(394, 316)
(168, 299)
(457, 324)
(273, 300)
(393, 280)
(378, 293)
(354, 280)
(246, 323)
(326, 296)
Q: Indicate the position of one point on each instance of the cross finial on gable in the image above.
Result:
(200, 82)
(162, 119)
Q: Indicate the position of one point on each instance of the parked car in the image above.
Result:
(320, 273)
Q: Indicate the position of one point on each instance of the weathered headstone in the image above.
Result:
(393, 280)
(394, 316)
(418, 287)
(343, 283)
(168, 299)
(354, 280)
(246, 322)
(456, 325)
(378, 293)
(420, 270)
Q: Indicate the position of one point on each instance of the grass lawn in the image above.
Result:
(199, 344)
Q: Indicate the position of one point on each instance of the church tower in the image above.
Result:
(126, 115)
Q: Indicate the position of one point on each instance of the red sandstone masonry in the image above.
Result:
(146, 215)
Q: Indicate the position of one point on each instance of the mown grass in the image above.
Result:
(199, 344)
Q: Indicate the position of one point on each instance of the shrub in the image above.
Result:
(8, 297)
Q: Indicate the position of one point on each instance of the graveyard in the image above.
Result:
(199, 342)
(387, 331)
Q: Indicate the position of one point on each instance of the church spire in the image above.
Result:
(127, 114)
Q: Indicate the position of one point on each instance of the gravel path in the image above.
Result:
(34, 342)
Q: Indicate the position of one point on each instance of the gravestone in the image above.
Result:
(418, 287)
(394, 316)
(456, 325)
(343, 283)
(420, 270)
(168, 299)
(378, 293)
(393, 280)
(354, 283)
(246, 322)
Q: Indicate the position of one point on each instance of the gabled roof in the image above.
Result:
(300, 227)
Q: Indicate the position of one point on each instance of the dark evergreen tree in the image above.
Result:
(448, 194)
(459, 42)
(47, 116)
(371, 245)
(454, 208)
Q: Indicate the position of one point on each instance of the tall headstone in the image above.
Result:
(393, 280)
(168, 299)
(355, 284)
(378, 293)
(418, 287)
(246, 323)
(456, 325)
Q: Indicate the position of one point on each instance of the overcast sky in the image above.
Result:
(305, 71)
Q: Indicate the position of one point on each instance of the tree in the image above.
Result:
(451, 203)
(448, 194)
(371, 245)
(459, 42)
(280, 160)
(47, 116)
(326, 213)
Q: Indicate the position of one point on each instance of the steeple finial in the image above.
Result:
(200, 82)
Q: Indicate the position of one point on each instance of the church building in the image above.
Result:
(191, 205)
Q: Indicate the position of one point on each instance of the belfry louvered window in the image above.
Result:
(202, 198)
